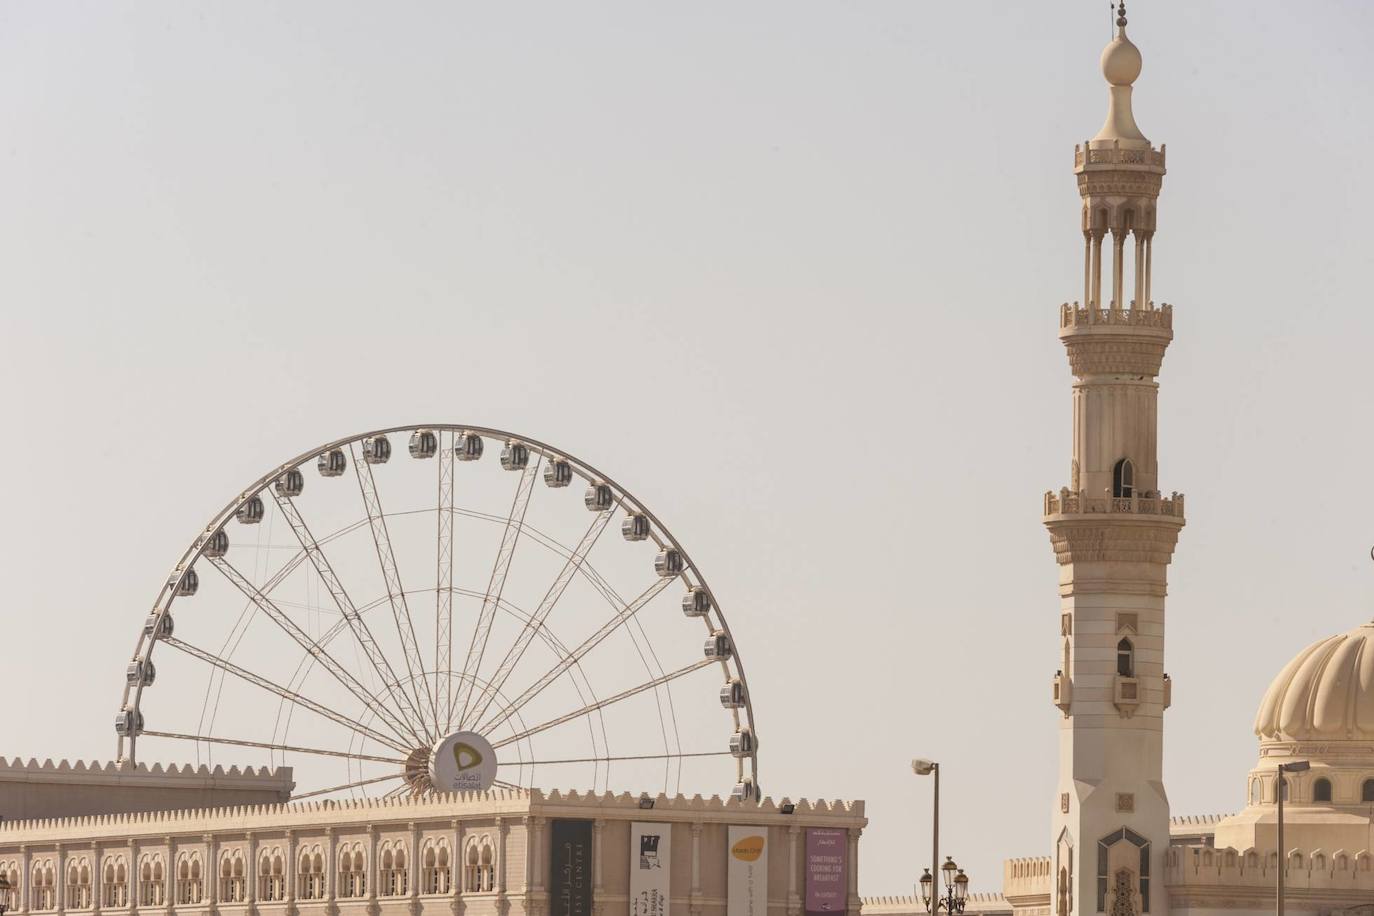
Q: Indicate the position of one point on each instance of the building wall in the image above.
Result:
(48, 790)
(261, 859)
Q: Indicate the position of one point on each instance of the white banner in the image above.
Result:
(651, 853)
(747, 872)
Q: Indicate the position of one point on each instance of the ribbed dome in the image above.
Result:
(1326, 692)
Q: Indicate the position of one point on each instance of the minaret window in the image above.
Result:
(1367, 791)
(1321, 790)
(1125, 658)
(1123, 479)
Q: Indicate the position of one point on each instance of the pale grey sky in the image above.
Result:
(789, 270)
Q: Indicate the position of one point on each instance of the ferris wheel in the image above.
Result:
(404, 618)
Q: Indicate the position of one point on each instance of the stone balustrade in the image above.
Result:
(1115, 155)
(1068, 502)
(1072, 315)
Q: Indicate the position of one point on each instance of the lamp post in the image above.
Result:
(922, 767)
(955, 893)
(1297, 766)
(4, 893)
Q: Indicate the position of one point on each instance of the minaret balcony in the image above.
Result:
(1075, 316)
(1117, 156)
(1068, 502)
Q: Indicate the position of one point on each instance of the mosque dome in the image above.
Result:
(1326, 692)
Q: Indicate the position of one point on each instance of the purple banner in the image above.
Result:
(827, 870)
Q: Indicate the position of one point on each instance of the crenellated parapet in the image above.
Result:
(1198, 876)
(53, 789)
(327, 812)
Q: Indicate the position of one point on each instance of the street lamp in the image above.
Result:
(955, 892)
(1297, 766)
(4, 893)
(922, 767)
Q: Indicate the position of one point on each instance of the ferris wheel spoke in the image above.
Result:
(546, 605)
(275, 613)
(356, 624)
(285, 748)
(349, 785)
(290, 695)
(624, 615)
(443, 594)
(515, 521)
(400, 608)
(532, 763)
(602, 704)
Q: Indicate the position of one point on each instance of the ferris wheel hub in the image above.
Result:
(462, 762)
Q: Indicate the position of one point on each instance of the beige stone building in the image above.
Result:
(493, 853)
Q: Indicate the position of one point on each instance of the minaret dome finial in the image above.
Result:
(1121, 15)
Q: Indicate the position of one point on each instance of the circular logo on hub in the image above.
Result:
(462, 762)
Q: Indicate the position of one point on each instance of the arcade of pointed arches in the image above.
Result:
(187, 881)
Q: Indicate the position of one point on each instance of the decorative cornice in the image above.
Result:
(1093, 538)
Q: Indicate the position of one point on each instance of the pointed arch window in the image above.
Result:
(1123, 479)
(1125, 658)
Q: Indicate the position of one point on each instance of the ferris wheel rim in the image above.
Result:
(691, 574)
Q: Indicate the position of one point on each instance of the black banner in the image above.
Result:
(570, 869)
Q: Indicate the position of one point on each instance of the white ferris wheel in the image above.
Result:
(425, 620)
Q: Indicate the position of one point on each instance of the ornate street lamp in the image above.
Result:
(955, 894)
(4, 893)
(923, 767)
(1297, 766)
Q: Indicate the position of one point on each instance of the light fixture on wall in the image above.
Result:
(645, 801)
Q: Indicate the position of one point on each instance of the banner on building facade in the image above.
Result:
(651, 854)
(827, 870)
(746, 872)
(570, 868)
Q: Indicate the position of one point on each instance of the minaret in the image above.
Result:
(1113, 533)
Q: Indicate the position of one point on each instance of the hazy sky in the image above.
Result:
(788, 270)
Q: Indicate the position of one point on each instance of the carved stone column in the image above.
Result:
(169, 898)
(211, 873)
(135, 876)
(373, 908)
(25, 888)
(331, 872)
(502, 830)
(456, 866)
(97, 879)
(250, 893)
(415, 873)
(290, 873)
(538, 899)
(61, 890)
(852, 901)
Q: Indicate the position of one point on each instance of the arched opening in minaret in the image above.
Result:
(1125, 658)
(1321, 790)
(1123, 479)
(1367, 791)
